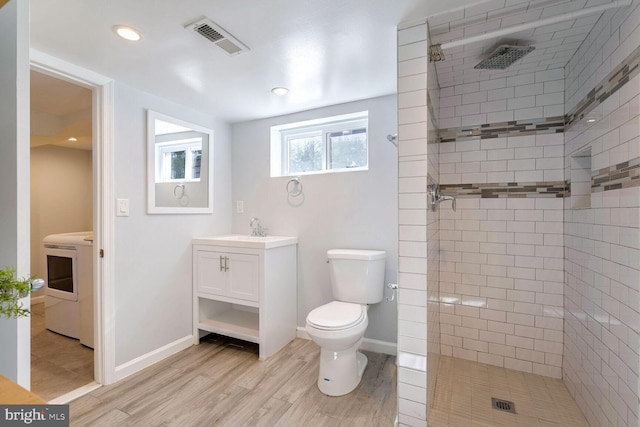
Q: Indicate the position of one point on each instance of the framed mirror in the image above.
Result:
(179, 166)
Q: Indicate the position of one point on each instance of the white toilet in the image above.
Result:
(357, 279)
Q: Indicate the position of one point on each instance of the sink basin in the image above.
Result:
(246, 241)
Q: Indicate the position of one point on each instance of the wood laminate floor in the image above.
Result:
(219, 384)
(59, 364)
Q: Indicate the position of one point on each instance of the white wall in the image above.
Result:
(602, 262)
(14, 174)
(153, 252)
(341, 210)
(61, 196)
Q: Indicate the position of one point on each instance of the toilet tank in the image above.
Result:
(357, 275)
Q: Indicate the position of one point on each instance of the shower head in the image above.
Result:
(503, 57)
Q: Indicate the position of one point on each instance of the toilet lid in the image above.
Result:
(336, 315)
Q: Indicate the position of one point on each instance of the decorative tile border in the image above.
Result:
(507, 190)
(503, 129)
(620, 75)
(622, 175)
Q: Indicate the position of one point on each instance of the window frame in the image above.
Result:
(283, 134)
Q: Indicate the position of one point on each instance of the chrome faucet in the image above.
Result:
(256, 228)
(444, 197)
(436, 197)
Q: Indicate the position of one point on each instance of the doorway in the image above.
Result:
(103, 214)
(62, 201)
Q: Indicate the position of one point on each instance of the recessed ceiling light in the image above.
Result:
(280, 91)
(72, 139)
(591, 120)
(127, 33)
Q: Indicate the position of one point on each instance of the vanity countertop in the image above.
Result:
(246, 241)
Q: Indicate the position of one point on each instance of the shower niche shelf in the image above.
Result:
(581, 179)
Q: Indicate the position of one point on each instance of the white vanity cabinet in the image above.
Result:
(246, 287)
(228, 274)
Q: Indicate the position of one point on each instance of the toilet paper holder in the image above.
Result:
(394, 290)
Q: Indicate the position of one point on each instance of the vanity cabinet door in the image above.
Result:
(243, 277)
(210, 274)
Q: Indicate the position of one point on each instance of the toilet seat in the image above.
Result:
(337, 316)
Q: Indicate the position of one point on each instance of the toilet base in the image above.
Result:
(340, 371)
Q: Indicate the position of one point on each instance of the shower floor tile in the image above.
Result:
(464, 390)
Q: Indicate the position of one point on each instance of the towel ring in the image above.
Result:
(178, 191)
(296, 189)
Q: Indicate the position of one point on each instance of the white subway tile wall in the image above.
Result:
(501, 275)
(526, 96)
(418, 264)
(523, 159)
(546, 285)
(609, 43)
(501, 270)
(601, 361)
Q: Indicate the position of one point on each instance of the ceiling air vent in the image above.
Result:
(218, 36)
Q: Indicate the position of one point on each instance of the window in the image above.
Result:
(179, 160)
(333, 144)
(304, 152)
(347, 149)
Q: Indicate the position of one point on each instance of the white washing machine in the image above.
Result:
(69, 285)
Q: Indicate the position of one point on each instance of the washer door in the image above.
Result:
(61, 276)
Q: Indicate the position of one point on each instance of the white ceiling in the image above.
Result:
(555, 44)
(59, 111)
(325, 51)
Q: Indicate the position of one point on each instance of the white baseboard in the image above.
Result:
(368, 344)
(377, 346)
(146, 360)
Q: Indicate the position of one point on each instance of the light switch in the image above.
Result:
(122, 207)
(239, 206)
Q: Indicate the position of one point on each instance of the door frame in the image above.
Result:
(102, 88)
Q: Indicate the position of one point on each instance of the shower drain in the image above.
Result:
(503, 405)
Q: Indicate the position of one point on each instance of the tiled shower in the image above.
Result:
(538, 270)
